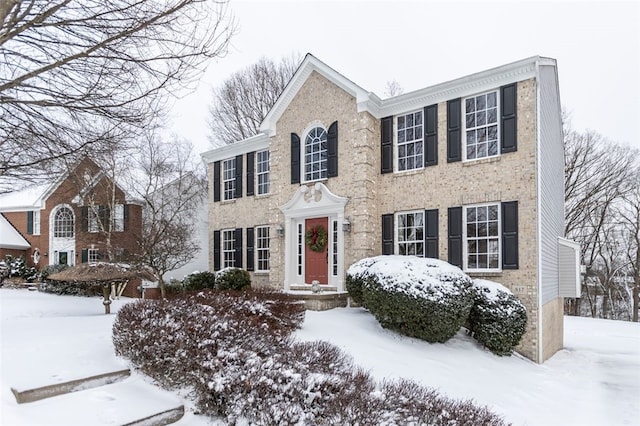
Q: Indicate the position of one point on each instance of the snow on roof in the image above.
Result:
(10, 238)
(29, 198)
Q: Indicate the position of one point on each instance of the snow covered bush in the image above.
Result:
(18, 268)
(199, 281)
(498, 319)
(173, 340)
(232, 279)
(418, 297)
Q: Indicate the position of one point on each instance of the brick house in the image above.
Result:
(469, 171)
(81, 217)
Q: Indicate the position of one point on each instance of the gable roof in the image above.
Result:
(368, 101)
(310, 64)
(10, 238)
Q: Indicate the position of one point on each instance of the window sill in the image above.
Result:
(228, 201)
(485, 160)
(408, 172)
(311, 182)
(258, 196)
(261, 273)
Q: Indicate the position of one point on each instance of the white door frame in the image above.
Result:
(311, 202)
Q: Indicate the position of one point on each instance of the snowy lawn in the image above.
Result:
(48, 339)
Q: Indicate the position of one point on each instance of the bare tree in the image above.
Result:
(75, 71)
(598, 175)
(240, 104)
(172, 185)
(393, 88)
(631, 220)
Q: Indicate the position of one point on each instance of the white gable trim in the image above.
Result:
(309, 65)
(254, 143)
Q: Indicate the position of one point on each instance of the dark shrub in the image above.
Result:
(498, 320)
(71, 288)
(418, 297)
(199, 281)
(18, 268)
(232, 279)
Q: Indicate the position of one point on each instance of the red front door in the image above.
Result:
(316, 263)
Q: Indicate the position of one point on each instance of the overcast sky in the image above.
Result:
(422, 43)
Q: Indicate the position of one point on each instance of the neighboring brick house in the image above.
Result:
(469, 171)
(81, 217)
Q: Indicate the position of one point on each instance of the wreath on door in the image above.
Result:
(316, 238)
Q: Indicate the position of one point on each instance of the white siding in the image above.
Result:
(569, 271)
(551, 181)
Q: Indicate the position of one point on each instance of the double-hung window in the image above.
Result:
(410, 233)
(315, 154)
(262, 248)
(482, 237)
(93, 217)
(262, 167)
(481, 126)
(118, 218)
(410, 140)
(93, 255)
(229, 248)
(229, 178)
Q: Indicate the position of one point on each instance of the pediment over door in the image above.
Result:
(314, 199)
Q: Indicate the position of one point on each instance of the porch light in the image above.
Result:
(346, 225)
(279, 230)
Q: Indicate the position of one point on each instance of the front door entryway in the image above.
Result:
(63, 258)
(316, 250)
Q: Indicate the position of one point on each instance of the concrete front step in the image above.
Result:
(129, 402)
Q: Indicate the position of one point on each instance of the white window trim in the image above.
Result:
(303, 146)
(396, 158)
(258, 249)
(463, 125)
(223, 251)
(36, 222)
(92, 255)
(267, 173)
(465, 250)
(396, 222)
(118, 218)
(232, 179)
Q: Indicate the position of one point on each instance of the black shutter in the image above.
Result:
(431, 233)
(238, 247)
(250, 250)
(126, 217)
(29, 222)
(510, 235)
(84, 212)
(250, 172)
(431, 135)
(387, 234)
(386, 144)
(509, 119)
(85, 256)
(332, 150)
(216, 250)
(455, 236)
(238, 176)
(216, 181)
(295, 158)
(454, 150)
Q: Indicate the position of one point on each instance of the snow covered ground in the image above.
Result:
(595, 380)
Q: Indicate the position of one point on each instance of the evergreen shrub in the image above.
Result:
(232, 279)
(418, 297)
(498, 320)
(199, 281)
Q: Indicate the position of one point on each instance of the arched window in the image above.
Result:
(63, 226)
(315, 154)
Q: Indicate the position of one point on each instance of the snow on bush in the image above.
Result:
(235, 354)
(498, 319)
(232, 279)
(418, 297)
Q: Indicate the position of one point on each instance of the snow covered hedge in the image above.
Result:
(418, 297)
(498, 320)
(234, 351)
